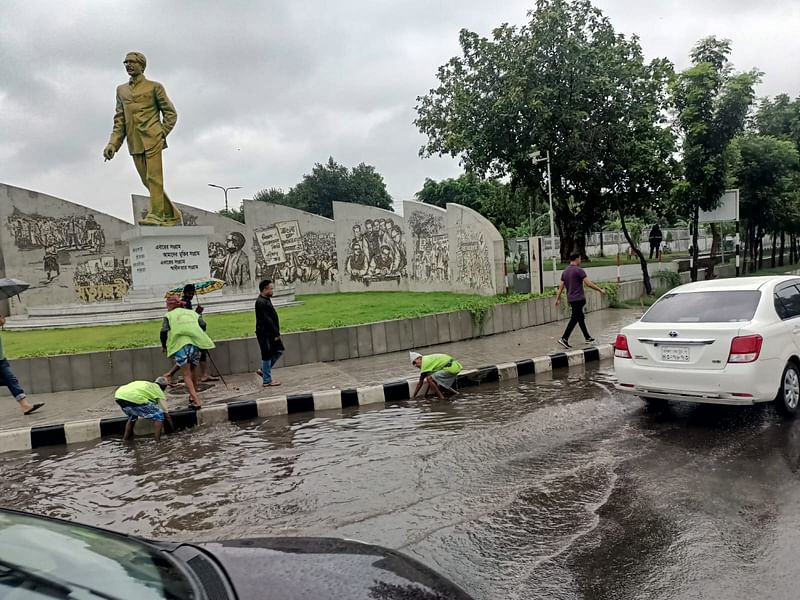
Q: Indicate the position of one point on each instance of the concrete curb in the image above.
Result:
(28, 438)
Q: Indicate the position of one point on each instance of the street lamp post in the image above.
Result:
(225, 190)
(536, 158)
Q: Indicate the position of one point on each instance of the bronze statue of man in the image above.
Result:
(145, 116)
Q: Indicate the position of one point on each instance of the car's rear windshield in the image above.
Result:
(727, 306)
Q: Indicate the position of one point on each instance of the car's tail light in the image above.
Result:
(745, 349)
(621, 347)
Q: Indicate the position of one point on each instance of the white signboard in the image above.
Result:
(727, 211)
(269, 241)
(166, 261)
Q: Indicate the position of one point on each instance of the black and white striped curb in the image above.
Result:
(28, 438)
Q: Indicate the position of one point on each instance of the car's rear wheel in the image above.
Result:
(788, 400)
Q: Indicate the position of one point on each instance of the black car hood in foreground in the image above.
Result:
(322, 568)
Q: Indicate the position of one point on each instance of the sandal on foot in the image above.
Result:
(210, 378)
(34, 408)
(271, 384)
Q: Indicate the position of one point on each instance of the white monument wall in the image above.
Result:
(427, 247)
(68, 253)
(477, 252)
(371, 248)
(292, 247)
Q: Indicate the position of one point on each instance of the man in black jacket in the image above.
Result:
(655, 238)
(268, 332)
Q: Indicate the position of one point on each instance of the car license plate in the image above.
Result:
(675, 353)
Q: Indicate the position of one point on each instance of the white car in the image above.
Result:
(726, 341)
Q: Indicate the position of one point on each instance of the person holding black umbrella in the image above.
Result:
(10, 380)
(189, 291)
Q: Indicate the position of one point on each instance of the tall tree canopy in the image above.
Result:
(504, 207)
(557, 84)
(779, 117)
(329, 183)
(712, 103)
(763, 167)
(638, 162)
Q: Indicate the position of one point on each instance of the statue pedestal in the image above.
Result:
(163, 257)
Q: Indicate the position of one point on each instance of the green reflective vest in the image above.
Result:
(140, 392)
(440, 362)
(184, 329)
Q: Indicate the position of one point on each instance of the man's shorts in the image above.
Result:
(148, 411)
(188, 355)
(444, 379)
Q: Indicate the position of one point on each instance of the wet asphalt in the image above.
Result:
(556, 487)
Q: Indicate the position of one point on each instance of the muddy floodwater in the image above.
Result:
(555, 488)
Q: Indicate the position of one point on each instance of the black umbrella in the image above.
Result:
(11, 287)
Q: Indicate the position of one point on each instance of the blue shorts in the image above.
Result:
(148, 411)
(188, 355)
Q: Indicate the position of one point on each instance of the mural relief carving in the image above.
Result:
(474, 266)
(376, 252)
(230, 262)
(97, 277)
(103, 278)
(288, 256)
(34, 231)
(431, 248)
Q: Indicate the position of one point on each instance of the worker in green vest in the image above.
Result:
(182, 338)
(144, 399)
(438, 370)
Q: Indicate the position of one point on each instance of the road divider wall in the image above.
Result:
(90, 370)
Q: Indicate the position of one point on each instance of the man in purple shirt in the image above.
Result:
(574, 278)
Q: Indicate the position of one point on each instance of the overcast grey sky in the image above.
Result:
(264, 89)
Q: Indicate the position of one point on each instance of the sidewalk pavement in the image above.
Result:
(317, 377)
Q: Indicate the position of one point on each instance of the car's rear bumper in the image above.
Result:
(735, 384)
(687, 397)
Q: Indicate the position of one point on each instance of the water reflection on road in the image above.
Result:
(554, 488)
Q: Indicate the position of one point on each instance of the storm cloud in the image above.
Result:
(266, 89)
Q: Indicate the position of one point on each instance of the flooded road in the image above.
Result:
(549, 488)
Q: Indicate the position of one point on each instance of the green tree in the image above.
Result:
(711, 102)
(763, 167)
(366, 186)
(272, 195)
(317, 191)
(504, 207)
(638, 161)
(233, 213)
(331, 182)
(779, 117)
(554, 84)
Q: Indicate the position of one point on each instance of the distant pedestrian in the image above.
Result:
(144, 399)
(189, 291)
(655, 238)
(182, 337)
(268, 332)
(8, 379)
(439, 371)
(573, 279)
